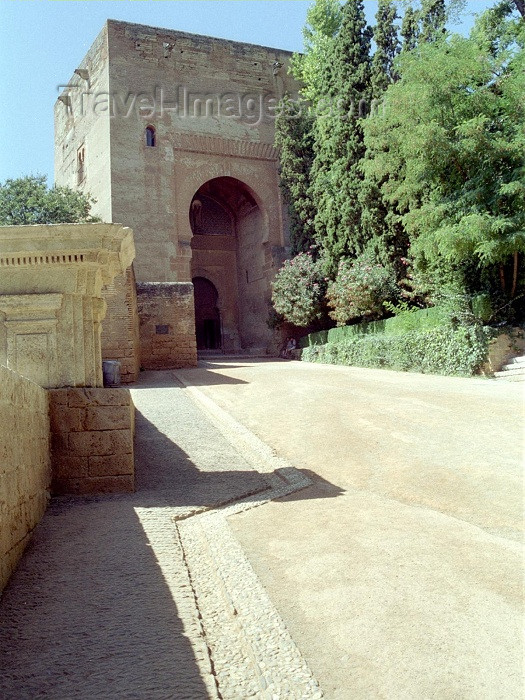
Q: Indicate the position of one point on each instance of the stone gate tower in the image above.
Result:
(172, 134)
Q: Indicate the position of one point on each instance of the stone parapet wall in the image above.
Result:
(120, 328)
(25, 472)
(91, 440)
(167, 326)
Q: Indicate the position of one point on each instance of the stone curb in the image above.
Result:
(251, 650)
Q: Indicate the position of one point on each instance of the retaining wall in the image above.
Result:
(25, 472)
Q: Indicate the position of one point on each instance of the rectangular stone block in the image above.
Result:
(113, 465)
(101, 442)
(108, 418)
(69, 466)
(58, 396)
(93, 485)
(98, 397)
(64, 419)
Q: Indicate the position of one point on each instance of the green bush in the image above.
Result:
(422, 320)
(440, 350)
(360, 289)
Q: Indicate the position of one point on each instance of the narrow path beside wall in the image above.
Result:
(149, 595)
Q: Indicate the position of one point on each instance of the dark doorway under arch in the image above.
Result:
(207, 315)
(229, 245)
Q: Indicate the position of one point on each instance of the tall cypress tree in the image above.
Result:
(294, 141)
(387, 47)
(382, 232)
(339, 147)
(410, 29)
(433, 19)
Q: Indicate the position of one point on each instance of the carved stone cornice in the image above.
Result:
(51, 280)
(65, 253)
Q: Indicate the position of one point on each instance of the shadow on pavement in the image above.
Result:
(94, 607)
(165, 379)
(89, 614)
(320, 488)
(164, 470)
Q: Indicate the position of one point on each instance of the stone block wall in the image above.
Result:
(91, 440)
(167, 325)
(25, 472)
(120, 328)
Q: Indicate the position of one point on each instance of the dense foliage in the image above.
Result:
(443, 350)
(28, 200)
(411, 152)
(360, 289)
(459, 180)
(294, 140)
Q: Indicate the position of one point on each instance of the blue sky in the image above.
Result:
(43, 41)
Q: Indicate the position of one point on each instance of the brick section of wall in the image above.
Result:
(25, 472)
(92, 440)
(167, 325)
(120, 328)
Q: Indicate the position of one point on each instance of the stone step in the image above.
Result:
(520, 361)
(514, 373)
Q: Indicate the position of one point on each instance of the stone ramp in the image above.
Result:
(148, 595)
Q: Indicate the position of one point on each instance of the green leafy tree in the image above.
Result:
(298, 290)
(449, 154)
(27, 200)
(339, 146)
(311, 68)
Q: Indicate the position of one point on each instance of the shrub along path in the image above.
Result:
(398, 572)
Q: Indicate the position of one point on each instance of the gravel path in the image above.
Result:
(149, 595)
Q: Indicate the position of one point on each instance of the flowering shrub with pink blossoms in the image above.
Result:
(360, 289)
(298, 290)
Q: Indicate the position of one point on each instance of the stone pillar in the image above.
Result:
(167, 325)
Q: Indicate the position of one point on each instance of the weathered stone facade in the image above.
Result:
(120, 331)
(172, 133)
(51, 304)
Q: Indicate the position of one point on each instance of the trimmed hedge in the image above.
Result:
(421, 320)
(441, 350)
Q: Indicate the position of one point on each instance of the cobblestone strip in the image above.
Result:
(164, 539)
(253, 653)
(261, 455)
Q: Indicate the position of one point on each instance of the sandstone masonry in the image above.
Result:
(92, 440)
(25, 472)
(172, 133)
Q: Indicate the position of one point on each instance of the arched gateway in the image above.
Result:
(229, 246)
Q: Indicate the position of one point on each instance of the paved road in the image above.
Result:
(398, 572)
